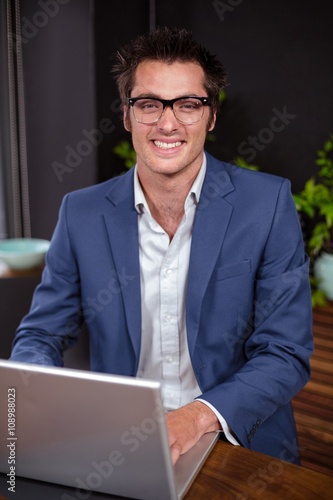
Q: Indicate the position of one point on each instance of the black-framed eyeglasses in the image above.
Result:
(187, 109)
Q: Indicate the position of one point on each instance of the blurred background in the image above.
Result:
(68, 118)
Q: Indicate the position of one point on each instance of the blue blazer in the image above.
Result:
(248, 306)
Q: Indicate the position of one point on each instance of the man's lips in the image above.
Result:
(167, 145)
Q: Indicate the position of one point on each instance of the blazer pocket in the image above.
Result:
(226, 272)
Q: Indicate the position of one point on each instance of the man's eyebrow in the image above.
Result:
(156, 96)
(149, 94)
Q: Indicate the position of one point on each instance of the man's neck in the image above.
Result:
(166, 197)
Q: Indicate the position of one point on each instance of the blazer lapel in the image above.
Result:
(210, 226)
(121, 221)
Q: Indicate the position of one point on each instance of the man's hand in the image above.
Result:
(186, 426)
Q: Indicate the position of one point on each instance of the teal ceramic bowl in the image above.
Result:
(323, 271)
(23, 253)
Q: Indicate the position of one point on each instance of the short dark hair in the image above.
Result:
(168, 45)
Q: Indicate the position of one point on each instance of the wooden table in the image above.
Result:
(313, 405)
(6, 272)
(230, 472)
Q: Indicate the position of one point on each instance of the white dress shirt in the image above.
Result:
(164, 354)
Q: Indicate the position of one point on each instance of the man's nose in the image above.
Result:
(168, 121)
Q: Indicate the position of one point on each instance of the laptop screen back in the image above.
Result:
(86, 430)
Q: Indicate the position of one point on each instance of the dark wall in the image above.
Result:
(279, 60)
(115, 24)
(59, 82)
(15, 302)
(59, 85)
(278, 57)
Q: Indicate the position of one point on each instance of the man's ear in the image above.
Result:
(212, 122)
(126, 118)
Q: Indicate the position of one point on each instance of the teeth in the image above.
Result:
(167, 145)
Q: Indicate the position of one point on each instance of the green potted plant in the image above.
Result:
(124, 150)
(315, 204)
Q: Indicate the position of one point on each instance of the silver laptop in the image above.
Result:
(91, 431)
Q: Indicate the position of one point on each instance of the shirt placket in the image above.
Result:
(170, 341)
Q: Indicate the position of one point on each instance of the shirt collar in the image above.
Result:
(193, 196)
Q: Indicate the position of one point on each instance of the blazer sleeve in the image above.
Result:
(54, 320)
(279, 345)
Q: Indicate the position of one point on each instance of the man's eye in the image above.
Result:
(148, 105)
(189, 105)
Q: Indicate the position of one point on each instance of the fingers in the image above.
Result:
(186, 426)
(175, 453)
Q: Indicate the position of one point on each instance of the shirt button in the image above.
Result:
(169, 359)
(169, 272)
(168, 317)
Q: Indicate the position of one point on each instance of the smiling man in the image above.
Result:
(210, 292)
(169, 151)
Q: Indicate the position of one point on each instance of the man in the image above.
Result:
(186, 269)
